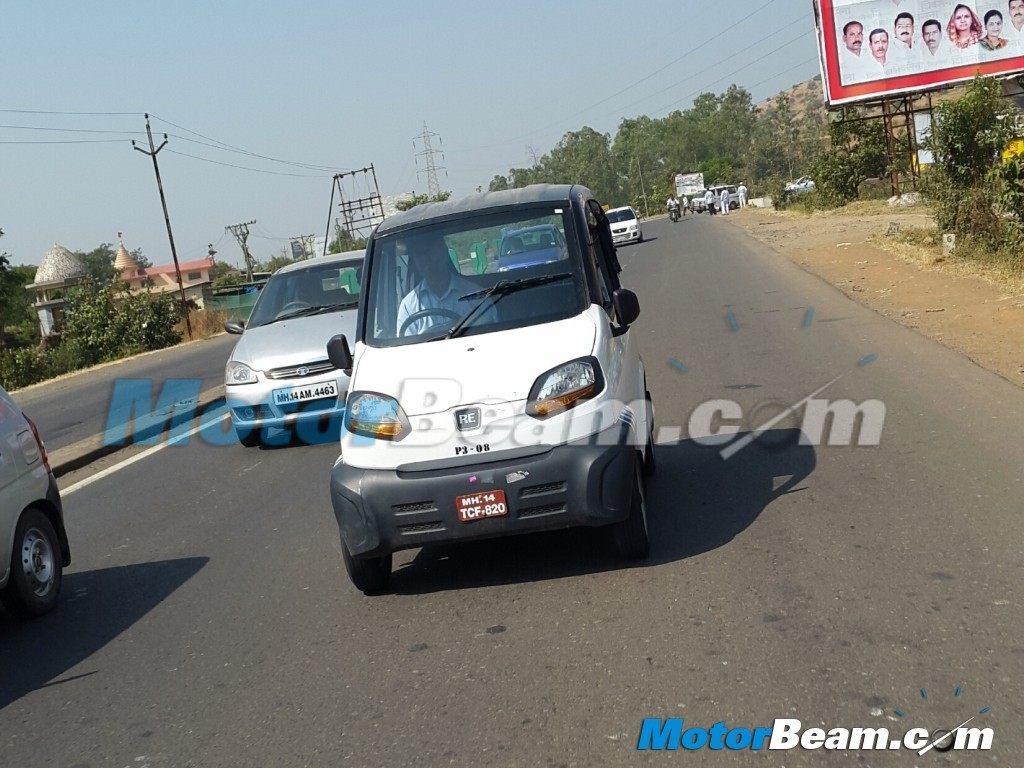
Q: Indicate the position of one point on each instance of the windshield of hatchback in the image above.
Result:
(477, 274)
(320, 288)
(626, 214)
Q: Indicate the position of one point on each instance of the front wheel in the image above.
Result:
(34, 582)
(630, 535)
(250, 438)
(370, 575)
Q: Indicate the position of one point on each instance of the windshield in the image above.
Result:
(626, 214)
(323, 287)
(426, 281)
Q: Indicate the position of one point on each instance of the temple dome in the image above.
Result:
(123, 260)
(60, 264)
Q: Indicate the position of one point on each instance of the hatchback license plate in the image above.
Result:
(481, 506)
(308, 392)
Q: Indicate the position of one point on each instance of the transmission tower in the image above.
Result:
(241, 233)
(430, 164)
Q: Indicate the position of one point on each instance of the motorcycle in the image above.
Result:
(673, 213)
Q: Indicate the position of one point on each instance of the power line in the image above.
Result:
(53, 112)
(69, 130)
(734, 72)
(223, 145)
(248, 168)
(711, 67)
(69, 141)
(708, 41)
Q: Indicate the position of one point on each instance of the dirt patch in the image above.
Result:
(863, 251)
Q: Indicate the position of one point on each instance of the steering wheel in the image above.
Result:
(452, 316)
(295, 305)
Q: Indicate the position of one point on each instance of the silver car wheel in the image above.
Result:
(37, 561)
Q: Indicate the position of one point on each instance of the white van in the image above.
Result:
(485, 400)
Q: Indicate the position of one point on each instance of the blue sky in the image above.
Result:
(338, 85)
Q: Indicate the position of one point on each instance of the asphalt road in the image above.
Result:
(207, 620)
(75, 408)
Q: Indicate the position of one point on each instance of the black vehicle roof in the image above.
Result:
(535, 193)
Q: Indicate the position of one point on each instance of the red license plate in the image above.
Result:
(480, 506)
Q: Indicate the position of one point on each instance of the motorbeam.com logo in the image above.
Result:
(788, 733)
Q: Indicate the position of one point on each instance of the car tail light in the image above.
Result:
(39, 442)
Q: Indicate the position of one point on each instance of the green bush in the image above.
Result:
(107, 323)
(21, 367)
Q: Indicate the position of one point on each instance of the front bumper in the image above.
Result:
(252, 406)
(584, 483)
(626, 237)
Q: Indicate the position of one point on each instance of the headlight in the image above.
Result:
(632, 227)
(563, 387)
(374, 415)
(239, 373)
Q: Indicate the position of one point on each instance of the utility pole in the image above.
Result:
(431, 169)
(241, 233)
(647, 211)
(153, 150)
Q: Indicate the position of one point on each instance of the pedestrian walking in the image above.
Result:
(709, 202)
(742, 191)
(724, 197)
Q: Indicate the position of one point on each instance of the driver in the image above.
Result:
(439, 289)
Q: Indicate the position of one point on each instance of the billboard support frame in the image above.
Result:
(897, 116)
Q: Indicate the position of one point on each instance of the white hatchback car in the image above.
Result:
(278, 375)
(625, 225)
(33, 543)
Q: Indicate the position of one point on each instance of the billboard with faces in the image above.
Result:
(874, 48)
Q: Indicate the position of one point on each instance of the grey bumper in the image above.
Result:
(584, 483)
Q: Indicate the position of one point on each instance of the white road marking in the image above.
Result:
(137, 457)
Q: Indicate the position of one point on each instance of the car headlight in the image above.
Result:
(372, 414)
(239, 373)
(563, 387)
(632, 227)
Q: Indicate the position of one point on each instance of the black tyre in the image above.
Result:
(370, 575)
(630, 536)
(33, 585)
(650, 465)
(641, 239)
(250, 438)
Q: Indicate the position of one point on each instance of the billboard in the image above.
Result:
(874, 48)
(689, 183)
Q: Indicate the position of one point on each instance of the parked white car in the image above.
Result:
(278, 375)
(490, 403)
(33, 542)
(625, 225)
(800, 186)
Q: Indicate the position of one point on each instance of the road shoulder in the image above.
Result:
(979, 315)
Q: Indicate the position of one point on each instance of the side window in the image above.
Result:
(603, 251)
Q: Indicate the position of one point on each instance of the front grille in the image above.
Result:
(414, 508)
(547, 509)
(292, 371)
(540, 490)
(414, 528)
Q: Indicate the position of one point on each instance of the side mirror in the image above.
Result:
(339, 354)
(234, 326)
(627, 306)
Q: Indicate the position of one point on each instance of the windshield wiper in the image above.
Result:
(314, 310)
(499, 289)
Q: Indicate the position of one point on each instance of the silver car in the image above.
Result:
(278, 375)
(33, 542)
